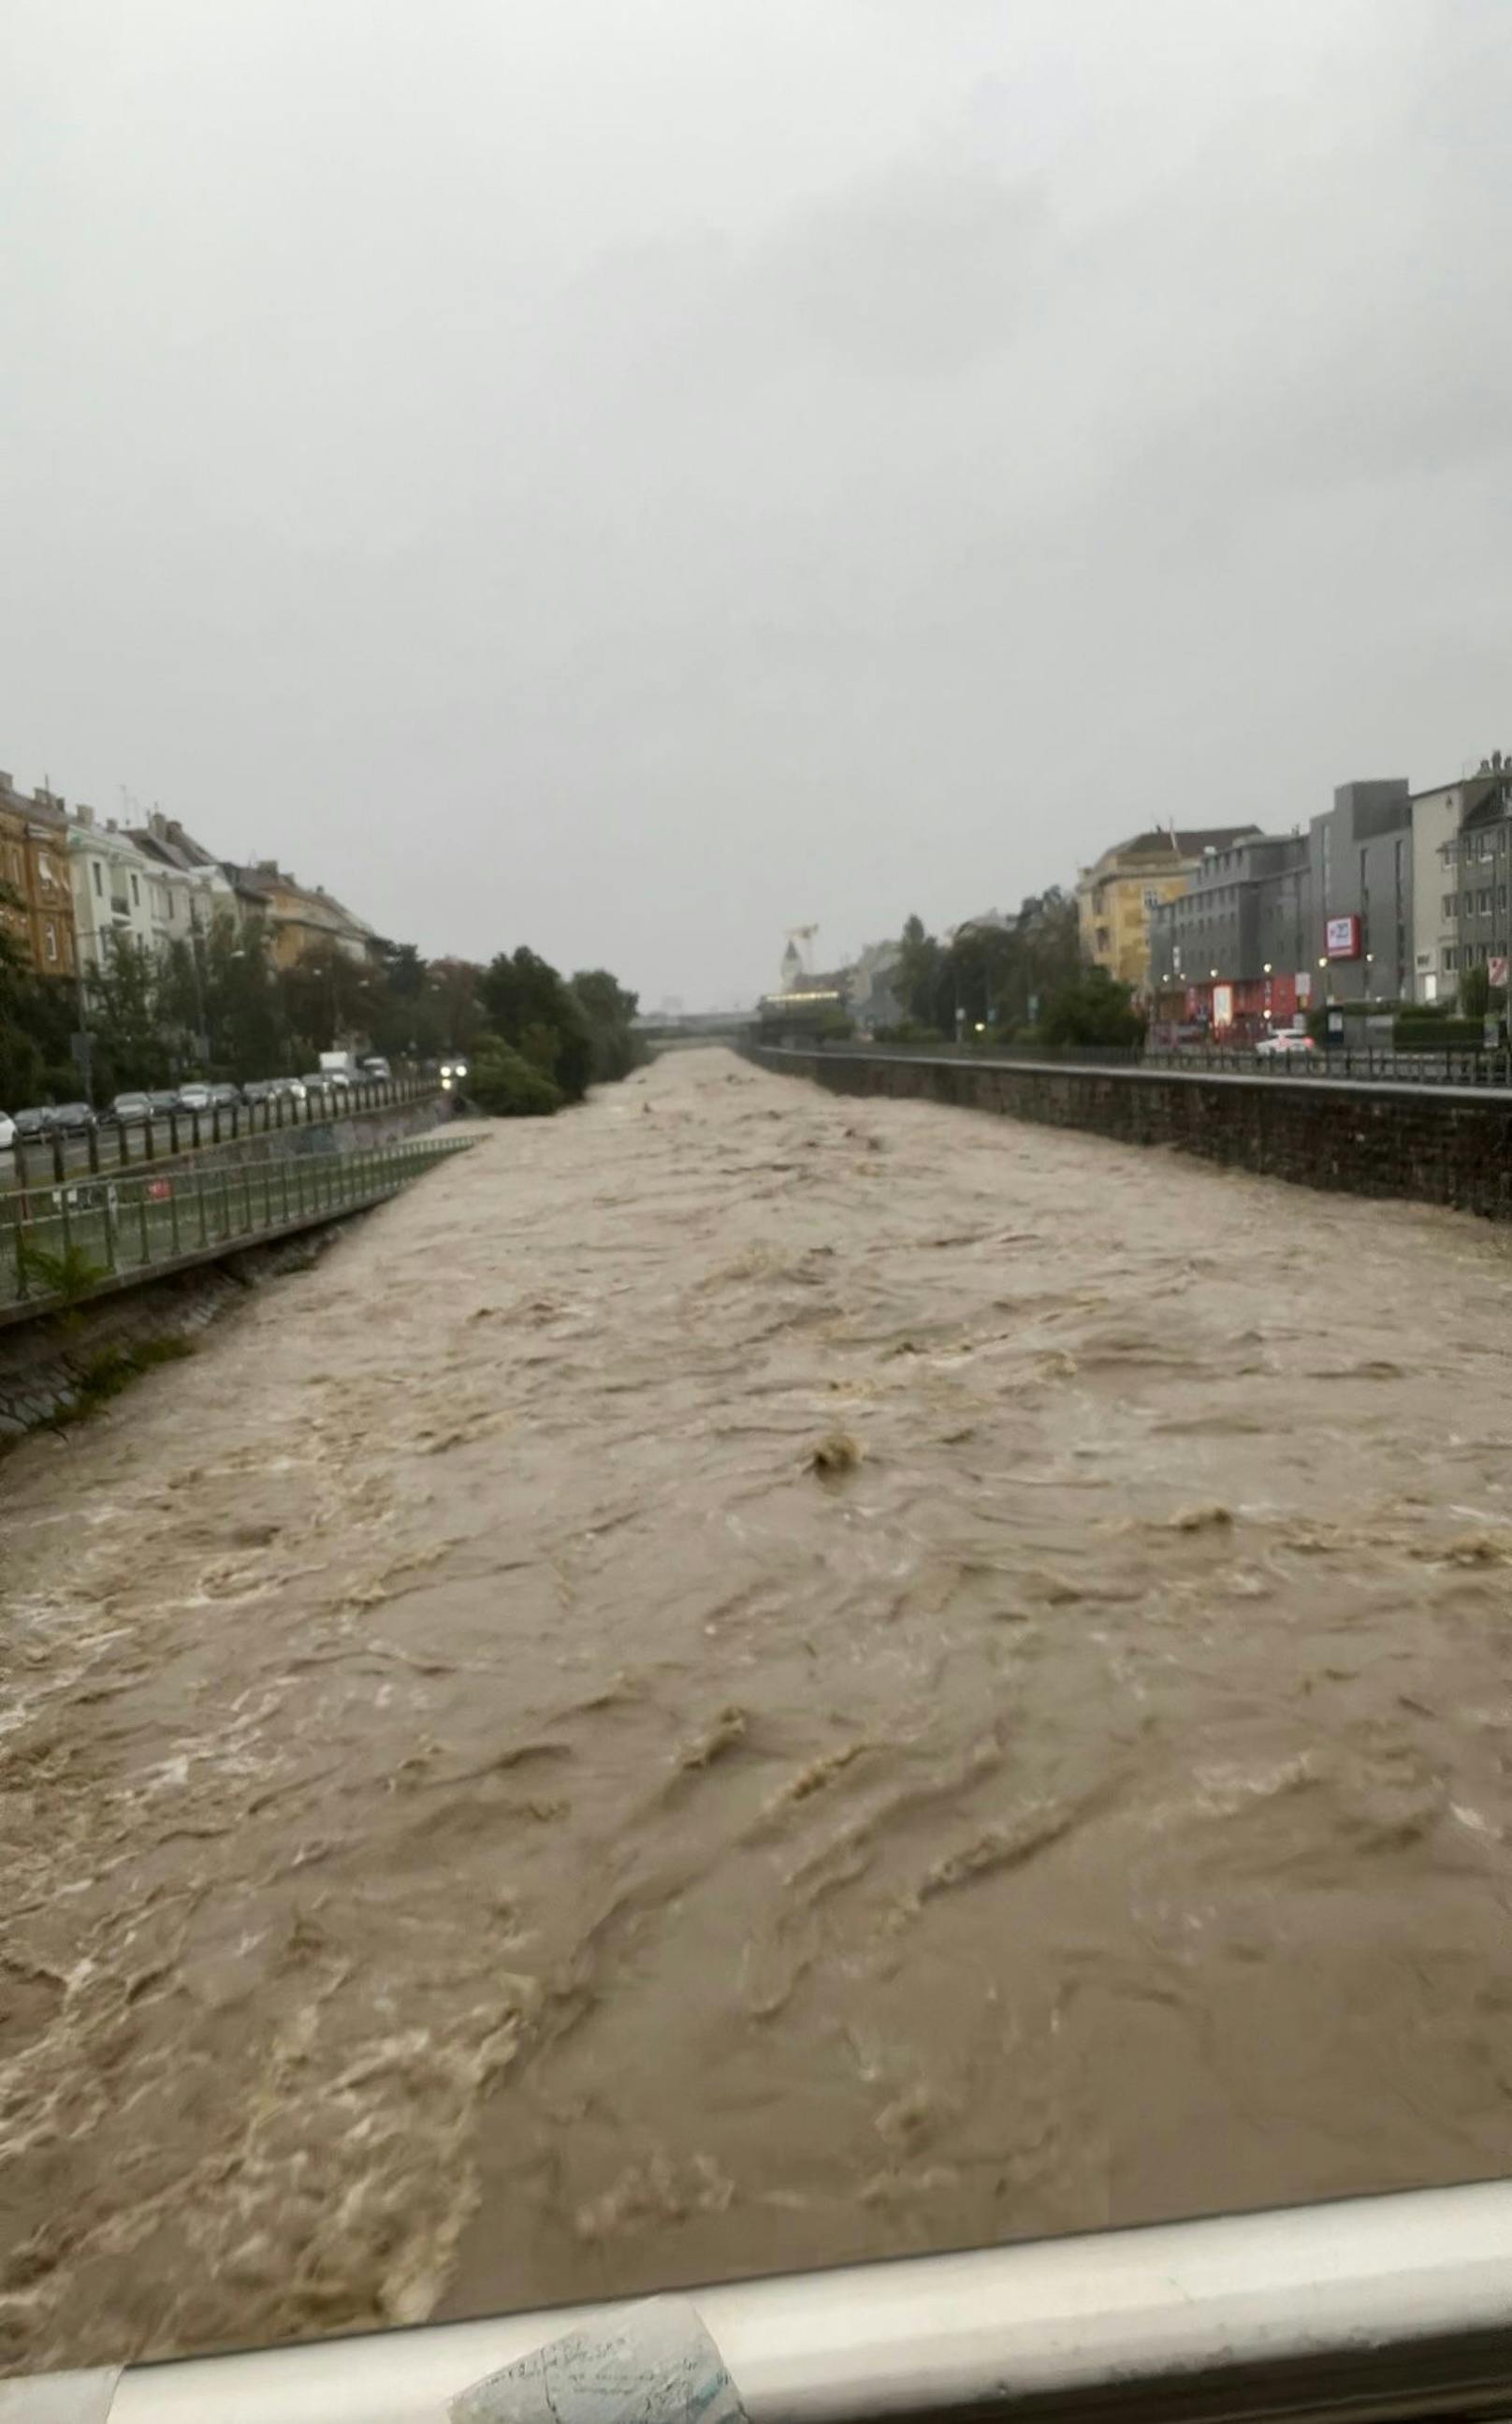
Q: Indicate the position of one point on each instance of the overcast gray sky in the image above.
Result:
(632, 475)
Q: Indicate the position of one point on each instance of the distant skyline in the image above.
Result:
(636, 479)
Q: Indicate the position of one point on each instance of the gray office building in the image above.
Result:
(1247, 915)
(1361, 854)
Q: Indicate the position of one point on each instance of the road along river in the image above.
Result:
(486, 1821)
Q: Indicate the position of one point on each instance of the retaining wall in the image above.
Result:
(1431, 1145)
(47, 1366)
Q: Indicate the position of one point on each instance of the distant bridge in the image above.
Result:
(695, 1027)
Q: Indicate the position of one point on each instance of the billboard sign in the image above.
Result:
(1340, 938)
(1222, 1006)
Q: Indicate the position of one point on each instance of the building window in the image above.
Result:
(1501, 898)
(50, 941)
(136, 898)
(1448, 956)
(45, 867)
(99, 881)
(1483, 900)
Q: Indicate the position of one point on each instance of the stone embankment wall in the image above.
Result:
(1430, 1145)
(51, 1368)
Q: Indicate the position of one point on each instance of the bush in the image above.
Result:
(508, 1087)
(1437, 1034)
(910, 1030)
(1095, 1010)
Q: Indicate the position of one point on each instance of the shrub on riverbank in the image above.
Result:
(507, 1086)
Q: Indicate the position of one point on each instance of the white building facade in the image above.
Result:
(110, 880)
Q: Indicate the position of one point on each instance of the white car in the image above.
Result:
(1284, 1040)
(8, 1131)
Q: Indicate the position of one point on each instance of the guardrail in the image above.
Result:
(62, 1244)
(113, 1144)
(1488, 1069)
(1382, 2307)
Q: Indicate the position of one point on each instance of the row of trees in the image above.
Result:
(1021, 982)
(218, 1005)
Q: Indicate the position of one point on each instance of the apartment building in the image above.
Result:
(1116, 895)
(34, 867)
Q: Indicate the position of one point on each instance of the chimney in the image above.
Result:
(85, 815)
(111, 826)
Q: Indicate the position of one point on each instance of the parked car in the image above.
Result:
(259, 1090)
(131, 1110)
(376, 1066)
(316, 1083)
(71, 1119)
(224, 1096)
(163, 1099)
(8, 1131)
(32, 1124)
(1285, 1040)
(293, 1087)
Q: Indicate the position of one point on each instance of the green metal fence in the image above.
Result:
(59, 1244)
(113, 1144)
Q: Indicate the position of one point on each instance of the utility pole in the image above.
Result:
(84, 1039)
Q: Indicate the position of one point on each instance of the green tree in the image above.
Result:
(325, 999)
(23, 1059)
(1475, 992)
(524, 995)
(507, 1085)
(611, 1009)
(1093, 1009)
(249, 1033)
(919, 982)
(126, 1017)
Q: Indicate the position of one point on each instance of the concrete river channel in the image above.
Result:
(742, 1678)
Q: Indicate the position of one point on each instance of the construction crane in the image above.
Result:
(798, 957)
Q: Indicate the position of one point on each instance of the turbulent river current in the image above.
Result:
(742, 1678)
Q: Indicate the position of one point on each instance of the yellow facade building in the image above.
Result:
(1114, 898)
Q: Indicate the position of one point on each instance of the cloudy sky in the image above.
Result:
(633, 476)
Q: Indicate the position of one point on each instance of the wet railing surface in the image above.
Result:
(59, 1244)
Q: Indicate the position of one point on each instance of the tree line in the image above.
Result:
(1022, 981)
(218, 1005)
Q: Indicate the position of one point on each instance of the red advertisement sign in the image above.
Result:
(1340, 938)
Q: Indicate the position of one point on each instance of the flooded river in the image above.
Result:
(487, 1820)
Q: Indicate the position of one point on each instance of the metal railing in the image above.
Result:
(61, 1244)
(1382, 2307)
(116, 1144)
(1489, 1070)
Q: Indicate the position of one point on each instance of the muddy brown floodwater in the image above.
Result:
(485, 1822)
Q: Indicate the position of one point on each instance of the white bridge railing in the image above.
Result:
(1393, 2307)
